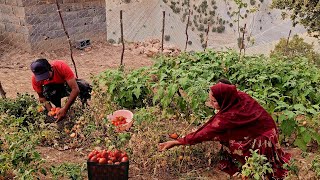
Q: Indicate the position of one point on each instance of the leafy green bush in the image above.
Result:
(285, 88)
(67, 170)
(296, 48)
(23, 107)
(128, 90)
(256, 166)
(18, 156)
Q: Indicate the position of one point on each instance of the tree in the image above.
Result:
(307, 13)
(296, 47)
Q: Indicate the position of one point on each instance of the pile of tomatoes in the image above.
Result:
(54, 111)
(108, 157)
(119, 120)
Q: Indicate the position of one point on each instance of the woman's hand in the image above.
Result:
(167, 145)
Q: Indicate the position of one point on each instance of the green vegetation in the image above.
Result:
(296, 47)
(305, 13)
(256, 166)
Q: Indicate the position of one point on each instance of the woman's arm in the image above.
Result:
(167, 145)
(207, 132)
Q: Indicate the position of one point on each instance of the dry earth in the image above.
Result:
(15, 74)
(15, 78)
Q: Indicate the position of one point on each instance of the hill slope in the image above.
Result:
(143, 20)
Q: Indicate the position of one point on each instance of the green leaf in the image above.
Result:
(306, 136)
(281, 118)
(316, 136)
(137, 91)
(301, 144)
(183, 82)
(290, 114)
(172, 89)
(111, 88)
(288, 126)
(165, 101)
(311, 111)
(299, 107)
(43, 171)
(159, 94)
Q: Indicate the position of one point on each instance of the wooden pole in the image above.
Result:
(187, 39)
(288, 37)
(207, 36)
(242, 40)
(2, 92)
(288, 42)
(163, 26)
(122, 40)
(69, 40)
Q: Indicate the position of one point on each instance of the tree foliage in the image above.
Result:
(307, 13)
(296, 47)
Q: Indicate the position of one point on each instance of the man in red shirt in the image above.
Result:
(51, 82)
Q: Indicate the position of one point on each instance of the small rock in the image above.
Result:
(87, 49)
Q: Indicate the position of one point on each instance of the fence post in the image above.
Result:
(163, 26)
(2, 92)
(122, 40)
(69, 40)
(185, 48)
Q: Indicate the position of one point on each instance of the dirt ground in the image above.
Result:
(15, 76)
(15, 73)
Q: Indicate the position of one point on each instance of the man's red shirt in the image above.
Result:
(61, 73)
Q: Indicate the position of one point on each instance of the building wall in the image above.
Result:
(13, 29)
(35, 25)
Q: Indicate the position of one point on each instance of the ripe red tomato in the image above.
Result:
(103, 161)
(125, 159)
(112, 158)
(117, 163)
(104, 154)
(116, 153)
(94, 159)
(124, 154)
(110, 162)
(174, 136)
(95, 151)
(91, 154)
(118, 120)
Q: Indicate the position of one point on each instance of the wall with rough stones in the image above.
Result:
(35, 25)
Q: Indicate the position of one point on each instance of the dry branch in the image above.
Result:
(122, 40)
(163, 26)
(69, 40)
(187, 39)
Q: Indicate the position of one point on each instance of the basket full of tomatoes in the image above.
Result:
(108, 165)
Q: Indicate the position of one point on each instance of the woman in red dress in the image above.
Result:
(240, 125)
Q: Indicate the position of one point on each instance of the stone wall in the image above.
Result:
(35, 25)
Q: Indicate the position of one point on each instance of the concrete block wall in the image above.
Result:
(37, 25)
(13, 29)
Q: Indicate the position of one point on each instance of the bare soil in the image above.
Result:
(15, 73)
(15, 76)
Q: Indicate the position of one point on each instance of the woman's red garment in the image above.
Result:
(240, 125)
